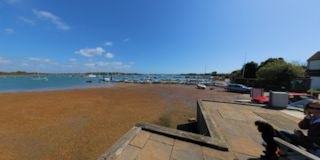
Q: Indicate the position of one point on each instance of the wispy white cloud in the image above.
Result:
(109, 55)
(39, 59)
(50, 17)
(126, 39)
(42, 60)
(108, 65)
(120, 66)
(4, 61)
(24, 64)
(90, 64)
(9, 30)
(118, 63)
(73, 60)
(27, 20)
(37, 64)
(90, 52)
(109, 43)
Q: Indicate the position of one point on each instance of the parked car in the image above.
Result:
(201, 86)
(238, 88)
(220, 84)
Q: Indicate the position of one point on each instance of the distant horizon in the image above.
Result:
(164, 37)
(103, 72)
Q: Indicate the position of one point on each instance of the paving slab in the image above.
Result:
(294, 113)
(129, 153)
(232, 114)
(279, 121)
(155, 151)
(162, 139)
(210, 154)
(141, 139)
(186, 151)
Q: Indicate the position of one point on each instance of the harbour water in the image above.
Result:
(27, 83)
(58, 82)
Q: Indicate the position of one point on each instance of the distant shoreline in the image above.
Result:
(22, 73)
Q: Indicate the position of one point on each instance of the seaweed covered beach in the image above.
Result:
(83, 123)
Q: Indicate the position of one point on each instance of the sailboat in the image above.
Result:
(39, 78)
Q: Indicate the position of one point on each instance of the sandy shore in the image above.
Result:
(82, 124)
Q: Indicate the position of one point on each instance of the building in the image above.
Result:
(314, 70)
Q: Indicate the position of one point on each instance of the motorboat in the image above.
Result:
(107, 79)
(201, 86)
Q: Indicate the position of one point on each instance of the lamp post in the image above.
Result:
(244, 66)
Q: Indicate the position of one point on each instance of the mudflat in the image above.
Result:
(83, 123)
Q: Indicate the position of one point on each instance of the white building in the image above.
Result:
(314, 70)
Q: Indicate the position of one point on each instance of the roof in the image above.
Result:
(316, 56)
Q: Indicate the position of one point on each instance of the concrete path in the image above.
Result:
(235, 123)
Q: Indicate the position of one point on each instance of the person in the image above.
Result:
(311, 141)
(267, 134)
(311, 122)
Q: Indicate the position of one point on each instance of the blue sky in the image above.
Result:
(154, 36)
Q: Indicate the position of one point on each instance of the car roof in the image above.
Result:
(235, 84)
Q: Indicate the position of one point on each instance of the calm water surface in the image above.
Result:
(26, 83)
(58, 82)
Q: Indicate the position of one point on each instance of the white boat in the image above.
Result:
(201, 86)
(39, 78)
(91, 76)
(106, 79)
(147, 81)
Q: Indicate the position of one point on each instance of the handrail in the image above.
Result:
(296, 149)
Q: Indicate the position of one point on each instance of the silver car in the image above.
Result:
(238, 88)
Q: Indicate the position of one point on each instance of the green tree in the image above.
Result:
(250, 70)
(279, 72)
(247, 71)
(235, 74)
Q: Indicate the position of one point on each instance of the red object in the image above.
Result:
(261, 99)
(297, 94)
